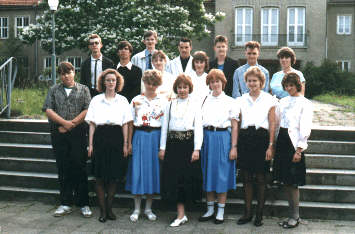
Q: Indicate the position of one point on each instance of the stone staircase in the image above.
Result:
(28, 171)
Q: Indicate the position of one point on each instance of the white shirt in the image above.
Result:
(200, 88)
(296, 114)
(185, 114)
(68, 91)
(166, 88)
(128, 65)
(175, 67)
(114, 112)
(147, 112)
(255, 113)
(219, 111)
(139, 60)
(98, 69)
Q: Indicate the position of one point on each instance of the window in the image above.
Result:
(243, 25)
(344, 24)
(76, 61)
(4, 27)
(343, 65)
(47, 66)
(296, 26)
(21, 23)
(269, 26)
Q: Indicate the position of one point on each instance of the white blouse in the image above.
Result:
(114, 112)
(296, 114)
(200, 89)
(256, 113)
(185, 114)
(219, 111)
(166, 88)
(147, 112)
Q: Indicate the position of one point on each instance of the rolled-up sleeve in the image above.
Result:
(305, 125)
(198, 130)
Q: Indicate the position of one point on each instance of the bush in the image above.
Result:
(327, 78)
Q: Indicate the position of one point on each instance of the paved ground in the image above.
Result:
(36, 217)
(332, 115)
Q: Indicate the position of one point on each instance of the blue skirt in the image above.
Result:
(143, 169)
(217, 169)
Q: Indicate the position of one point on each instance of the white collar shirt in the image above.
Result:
(98, 69)
(200, 88)
(219, 111)
(112, 112)
(128, 65)
(175, 67)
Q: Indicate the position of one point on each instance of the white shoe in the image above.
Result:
(62, 210)
(150, 215)
(134, 216)
(86, 212)
(178, 222)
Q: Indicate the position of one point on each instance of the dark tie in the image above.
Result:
(150, 61)
(95, 72)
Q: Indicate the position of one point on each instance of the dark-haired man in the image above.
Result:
(182, 63)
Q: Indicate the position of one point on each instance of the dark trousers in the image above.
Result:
(71, 155)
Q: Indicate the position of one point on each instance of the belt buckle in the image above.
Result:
(214, 128)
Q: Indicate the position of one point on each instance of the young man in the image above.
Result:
(182, 63)
(223, 62)
(252, 52)
(131, 74)
(94, 65)
(66, 106)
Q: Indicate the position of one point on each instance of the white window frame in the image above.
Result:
(2, 27)
(342, 18)
(50, 66)
(22, 21)
(343, 64)
(76, 66)
(295, 42)
(244, 37)
(269, 42)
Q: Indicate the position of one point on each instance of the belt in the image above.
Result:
(147, 128)
(180, 135)
(212, 128)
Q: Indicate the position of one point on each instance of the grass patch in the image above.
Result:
(348, 102)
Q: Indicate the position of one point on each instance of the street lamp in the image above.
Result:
(53, 6)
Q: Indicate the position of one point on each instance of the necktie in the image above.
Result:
(95, 73)
(150, 61)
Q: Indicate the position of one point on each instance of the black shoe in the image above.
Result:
(244, 220)
(204, 219)
(102, 219)
(218, 221)
(287, 225)
(258, 221)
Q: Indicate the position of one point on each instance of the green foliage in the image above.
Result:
(327, 78)
(333, 98)
(116, 20)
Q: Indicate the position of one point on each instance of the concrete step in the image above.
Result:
(26, 150)
(329, 133)
(331, 147)
(24, 125)
(330, 161)
(330, 177)
(25, 137)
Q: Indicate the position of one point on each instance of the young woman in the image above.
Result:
(219, 112)
(295, 114)
(108, 117)
(255, 140)
(180, 145)
(198, 77)
(143, 171)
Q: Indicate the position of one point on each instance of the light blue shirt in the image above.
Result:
(276, 86)
(221, 67)
(239, 85)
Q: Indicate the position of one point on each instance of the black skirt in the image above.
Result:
(108, 161)
(252, 146)
(284, 170)
(181, 179)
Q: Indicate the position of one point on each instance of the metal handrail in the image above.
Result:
(8, 72)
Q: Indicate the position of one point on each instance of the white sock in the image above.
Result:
(210, 209)
(220, 212)
(148, 204)
(137, 203)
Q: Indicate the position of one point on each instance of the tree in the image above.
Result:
(116, 20)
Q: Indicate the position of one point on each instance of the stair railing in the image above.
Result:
(8, 72)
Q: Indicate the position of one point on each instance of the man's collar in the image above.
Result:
(146, 52)
(129, 65)
(93, 59)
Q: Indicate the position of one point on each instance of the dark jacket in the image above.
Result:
(230, 65)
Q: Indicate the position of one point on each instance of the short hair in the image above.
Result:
(200, 56)
(288, 53)
(185, 39)
(101, 80)
(65, 68)
(159, 54)
(216, 74)
(220, 38)
(153, 77)
(252, 45)
(183, 79)
(255, 71)
(123, 44)
(93, 36)
(150, 33)
(292, 78)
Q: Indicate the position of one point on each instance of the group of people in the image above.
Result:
(179, 128)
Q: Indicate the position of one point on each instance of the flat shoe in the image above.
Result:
(244, 220)
(288, 225)
(283, 222)
(218, 221)
(134, 216)
(204, 219)
(258, 222)
(102, 219)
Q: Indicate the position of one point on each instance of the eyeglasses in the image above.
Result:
(94, 43)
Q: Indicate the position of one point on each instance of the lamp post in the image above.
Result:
(53, 6)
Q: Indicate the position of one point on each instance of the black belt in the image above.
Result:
(147, 128)
(212, 128)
